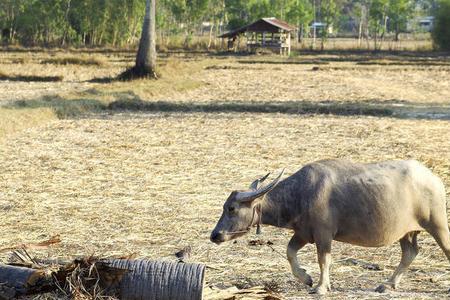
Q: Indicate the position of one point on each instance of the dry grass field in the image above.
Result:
(117, 168)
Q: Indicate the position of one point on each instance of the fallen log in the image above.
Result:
(18, 281)
(122, 278)
(160, 280)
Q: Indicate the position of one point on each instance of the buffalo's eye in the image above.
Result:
(231, 209)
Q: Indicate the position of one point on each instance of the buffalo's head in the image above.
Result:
(239, 211)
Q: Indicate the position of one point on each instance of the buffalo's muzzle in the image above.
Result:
(217, 237)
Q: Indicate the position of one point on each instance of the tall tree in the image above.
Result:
(378, 13)
(238, 13)
(441, 30)
(10, 11)
(328, 14)
(216, 14)
(362, 15)
(399, 11)
(299, 12)
(146, 56)
(190, 13)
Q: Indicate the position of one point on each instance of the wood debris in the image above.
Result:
(362, 264)
(234, 293)
(85, 278)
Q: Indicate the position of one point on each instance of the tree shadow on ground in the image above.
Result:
(291, 107)
(358, 60)
(130, 102)
(63, 108)
(393, 108)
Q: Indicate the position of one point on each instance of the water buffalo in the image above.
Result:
(369, 205)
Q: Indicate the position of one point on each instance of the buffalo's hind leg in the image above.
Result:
(442, 236)
(410, 249)
(294, 245)
(438, 228)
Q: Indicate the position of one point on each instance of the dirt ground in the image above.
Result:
(342, 81)
(152, 183)
(75, 77)
(352, 78)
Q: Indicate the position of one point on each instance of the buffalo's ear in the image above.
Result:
(255, 184)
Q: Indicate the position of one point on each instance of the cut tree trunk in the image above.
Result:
(145, 66)
(19, 281)
(127, 279)
(146, 56)
(160, 280)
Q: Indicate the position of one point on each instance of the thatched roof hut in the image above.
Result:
(264, 33)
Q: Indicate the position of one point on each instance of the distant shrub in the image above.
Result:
(62, 107)
(441, 30)
(21, 60)
(73, 60)
(29, 78)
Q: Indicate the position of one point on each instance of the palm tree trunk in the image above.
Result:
(146, 56)
(361, 20)
(211, 29)
(66, 19)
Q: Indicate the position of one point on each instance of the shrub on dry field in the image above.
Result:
(76, 60)
(20, 60)
(62, 107)
(30, 78)
(421, 44)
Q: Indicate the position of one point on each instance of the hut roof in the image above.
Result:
(262, 25)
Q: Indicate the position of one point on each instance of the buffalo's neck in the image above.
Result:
(279, 209)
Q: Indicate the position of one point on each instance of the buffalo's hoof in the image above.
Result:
(320, 290)
(304, 278)
(308, 281)
(387, 286)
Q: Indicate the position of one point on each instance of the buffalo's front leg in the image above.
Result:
(324, 257)
(294, 245)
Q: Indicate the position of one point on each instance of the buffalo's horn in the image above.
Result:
(257, 182)
(252, 195)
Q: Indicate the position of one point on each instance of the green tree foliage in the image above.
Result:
(42, 21)
(10, 11)
(189, 13)
(243, 12)
(300, 13)
(441, 31)
(329, 15)
(378, 20)
(119, 22)
(399, 11)
(389, 16)
(87, 22)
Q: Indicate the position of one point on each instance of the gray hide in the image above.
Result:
(369, 205)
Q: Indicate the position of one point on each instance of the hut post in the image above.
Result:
(289, 43)
(238, 43)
